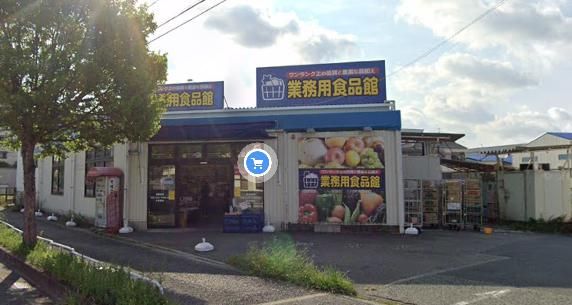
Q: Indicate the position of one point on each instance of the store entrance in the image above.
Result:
(204, 194)
(192, 185)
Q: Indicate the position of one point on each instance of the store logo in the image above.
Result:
(257, 162)
(310, 180)
(272, 88)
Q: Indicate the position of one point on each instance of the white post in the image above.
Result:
(71, 222)
(126, 228)
(399, 177)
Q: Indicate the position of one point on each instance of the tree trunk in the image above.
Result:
(30, 229)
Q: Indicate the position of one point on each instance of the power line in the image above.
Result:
(437, 46)
(150, 5)
(182, 12)
(189, 20)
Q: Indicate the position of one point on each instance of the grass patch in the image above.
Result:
(552, 225)
(281, 260)
(89, 284)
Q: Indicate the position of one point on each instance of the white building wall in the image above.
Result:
(73, 198)
(548, 140)
(273, 207)
(543, 156)
(553, 195)
(20, 174)
(538, 194)
(280, 196)
(137, 209)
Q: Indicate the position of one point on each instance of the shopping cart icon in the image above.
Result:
(257, 163)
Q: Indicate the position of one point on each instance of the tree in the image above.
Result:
(75, 74)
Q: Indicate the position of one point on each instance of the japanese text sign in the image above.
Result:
(192, 96)
(322, 84)
(356, 179)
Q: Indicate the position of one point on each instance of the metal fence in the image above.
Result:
(7, 195)
(64, 248)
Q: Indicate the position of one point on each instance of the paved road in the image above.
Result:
(516, 269)
(435, 268)
(187, 280)
(16, 291)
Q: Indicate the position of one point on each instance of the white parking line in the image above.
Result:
(436, 272)
(290, 300)
(494, 294)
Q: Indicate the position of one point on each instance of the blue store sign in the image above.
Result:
(322, 84)
(192, 96)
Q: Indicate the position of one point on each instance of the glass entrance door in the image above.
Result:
(204, 193)
(161, 196)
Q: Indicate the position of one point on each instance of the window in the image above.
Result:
(527, 159)
(57, 176)
(563, 157)
(101, 157)
(218, 151)
(162, 152)
(3, 154)
(191, 151)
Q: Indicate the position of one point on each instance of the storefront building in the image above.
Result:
(339, 161)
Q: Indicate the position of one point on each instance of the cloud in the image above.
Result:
(524, 41)
(253, 28)
(249, 27)
(458, 92)
(230, 50)
(326, 47)
(523, 125)
(467, 72)
(520, 26)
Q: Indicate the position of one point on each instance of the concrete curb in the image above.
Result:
(46, 284)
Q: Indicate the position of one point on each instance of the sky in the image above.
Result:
(504, 80)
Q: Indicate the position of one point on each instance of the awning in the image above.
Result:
(240, 131)
(104, 172)
(294, 120)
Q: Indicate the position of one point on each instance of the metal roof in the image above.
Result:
(494, 150)
(430, 136)
(563, 135)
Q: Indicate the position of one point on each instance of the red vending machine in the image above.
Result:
(108, 197)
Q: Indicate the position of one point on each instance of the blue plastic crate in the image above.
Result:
(250, 219)
(250, 228)
(231, 220)
(231, 228)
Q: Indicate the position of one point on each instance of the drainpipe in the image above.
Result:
(71, 222)
(126, 228)
(399, 177)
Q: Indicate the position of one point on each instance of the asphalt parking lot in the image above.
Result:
(437, 267)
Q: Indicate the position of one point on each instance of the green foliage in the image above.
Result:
(552, 225)
(74, 74)
(89, 284)
(281, 260)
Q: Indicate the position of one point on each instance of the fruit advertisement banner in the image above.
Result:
(341, 180)
(322, 84)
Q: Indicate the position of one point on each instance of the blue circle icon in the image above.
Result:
(257, 162)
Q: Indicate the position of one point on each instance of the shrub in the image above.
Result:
(89, 284)
(281, 260)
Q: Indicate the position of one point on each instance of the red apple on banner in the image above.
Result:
(335, 155)
(355, 144)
